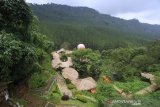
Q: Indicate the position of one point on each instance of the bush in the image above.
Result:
(142, 62)
(127, 63)
(37, 80)
(68, 81)
(87, 63)
(71, 86)
(16, 16)
(132, 86)
(54, 89)
(63, 57)
(56, 98)
(154, 68)
(76, 92)
(81, 98)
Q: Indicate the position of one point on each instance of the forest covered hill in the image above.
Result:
(30, 62)
(88, 26)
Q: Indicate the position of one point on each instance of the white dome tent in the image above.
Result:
(81, 46)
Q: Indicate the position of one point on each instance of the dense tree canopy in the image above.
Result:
(129, 62)
(74, 25)
(22, 46)
(16, 16)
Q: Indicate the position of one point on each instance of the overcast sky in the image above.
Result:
(147, 11)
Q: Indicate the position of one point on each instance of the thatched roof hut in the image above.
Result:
(70, 73)
(56, 62)
(85, 84)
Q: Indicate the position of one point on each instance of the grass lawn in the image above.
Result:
(78, 103)
(133, 86)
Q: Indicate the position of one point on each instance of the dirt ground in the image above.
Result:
(21, 91)
(33, 100)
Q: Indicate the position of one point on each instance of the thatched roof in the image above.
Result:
(85, 84)
(66, 64)
(56, 62)
(70, 73)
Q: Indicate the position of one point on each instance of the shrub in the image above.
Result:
(68, 81)
(37, 80)
(87, 63)
(56, 98)
(127, 63)
(16, 16)
(154, 68)
(63, 57)
(76, 92)
(71, 86)
(142, 62)
(81, 98)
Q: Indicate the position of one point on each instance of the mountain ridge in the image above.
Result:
(83, 23)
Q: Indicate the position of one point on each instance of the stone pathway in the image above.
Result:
(70, 73)
(62, 85)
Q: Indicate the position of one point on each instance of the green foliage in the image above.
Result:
(37, 80)
(87, 63)
(127, 63)
(157, 76)
(71, 86)
(133, 86)
(97, 31)
(16, 17)
(22, 102)
(158, 80)
(154, 50)
(76, 92)
(41, 41)
(54, 89)
(105, 90)
(54, 94)
(55, 98)
(15, 56)
(23, 48)
(81, 98)
(63, 57)
(149, 100)
(142, 62)
(154, 68)
(123, 62)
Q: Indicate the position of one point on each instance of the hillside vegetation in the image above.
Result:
(122, 58)
(67, 26)
(23, 49)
